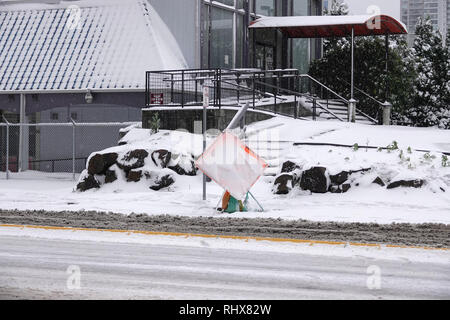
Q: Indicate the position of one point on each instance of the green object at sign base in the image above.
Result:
(236, 205)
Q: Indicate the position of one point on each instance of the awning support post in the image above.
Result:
(387, 106)
(351, 112)
(386, 92)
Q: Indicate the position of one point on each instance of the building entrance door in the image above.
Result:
(265, 57)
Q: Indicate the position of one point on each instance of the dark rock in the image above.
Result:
(315, 180)
(161, 158)
(335, 189)
(133, 160)
(89, 182)
(162, 182)
(134, 176)
(340, 178)
(417, 183)
(289, 166)
(346, 187)
(110, 176)
(340, 189)
(99, 163)
(192, 171)
(283, 184)
(379, 181)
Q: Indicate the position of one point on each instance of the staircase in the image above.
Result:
(270, 151)
(334, 107)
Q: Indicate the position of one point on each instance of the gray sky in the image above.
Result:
(389, 7)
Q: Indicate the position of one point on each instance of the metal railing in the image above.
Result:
(268, 90)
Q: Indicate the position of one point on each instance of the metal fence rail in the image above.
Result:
(54, 147)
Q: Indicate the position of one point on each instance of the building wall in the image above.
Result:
(214, 34)
(182, 19)
(437, 10)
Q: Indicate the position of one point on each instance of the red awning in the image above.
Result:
(331, 26)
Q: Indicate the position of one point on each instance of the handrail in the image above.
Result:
(345, 100)
(363, 92)
(329, 111)
(237, 80)
(368, 96)
(304, 95)
(324, 86)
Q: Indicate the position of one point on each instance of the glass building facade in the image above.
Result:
(214, 33)
(226, 42)
(437, 10)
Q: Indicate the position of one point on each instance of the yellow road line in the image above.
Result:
(246, 238)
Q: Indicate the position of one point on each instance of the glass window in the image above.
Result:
(239, 39)
(227, 2)
(221, 38)
(300, 54)
(300, 7)
(265, 7)
(300, 47)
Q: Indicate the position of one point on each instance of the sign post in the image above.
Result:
(205, 107)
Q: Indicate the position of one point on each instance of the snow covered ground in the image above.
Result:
(365, 203)
(40, 264)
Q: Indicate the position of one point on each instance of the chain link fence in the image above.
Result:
(53, 147)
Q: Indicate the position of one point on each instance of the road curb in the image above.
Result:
(210, 236)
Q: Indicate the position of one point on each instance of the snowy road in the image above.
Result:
(35, 266)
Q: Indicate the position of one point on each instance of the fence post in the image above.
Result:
(275, 105)
(254, 88)
(73, 149)
(171, 88)
(219, 92)
(7, 147)
(295, 107)
(314, 109)
(182, 88)
(238, 83)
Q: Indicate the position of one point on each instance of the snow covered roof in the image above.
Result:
(86, 44)
(331, 26)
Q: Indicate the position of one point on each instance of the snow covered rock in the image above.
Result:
(340, 189)
(134, 175)
(161, 158)
(87, 181)
(379, 182)
(283, 184)
(162, 180)
(99, 163)
(184, 166)
(339, 178)
(417, 183)
(343, 176)
(133, 159)
(289, 166)
(316, 180)
(110, 176)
